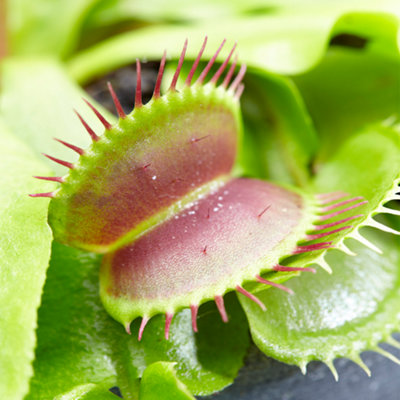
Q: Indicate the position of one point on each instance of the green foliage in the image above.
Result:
(25, 242)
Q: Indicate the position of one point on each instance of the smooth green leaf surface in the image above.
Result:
(349, 89)
(37, 101)
(88, 392)
(332, 316)
(79, 343)
(283, 43)
(25, 241)
(159, 382)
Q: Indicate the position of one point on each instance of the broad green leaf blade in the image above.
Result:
(280, 141)
(43, 27)
(349, 89)
(79, 343)
(38, 118)
(333, 316)
(159, 382)
(283, 43)
(89, 391)
(25, 241)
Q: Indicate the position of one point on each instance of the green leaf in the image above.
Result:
(285, 43)
(43, 27)
(352, 310)
(49, 113)
(79, 343)
(333, 316)
(89, 391)
(348, 90)
(279, 141)
(25, 241)
(159, 382)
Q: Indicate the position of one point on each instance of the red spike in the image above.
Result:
(194, 309)
(145, 166)
(116, 101)
(277, 285)
(205, 250)
(251, 297)
(210, 64)
(143, 324)
(157, 87)
(221, 69)
(312, 247)
(263, 211)
(59, 179)
(208, 213)
(195, 140)
(71, 146)
(219, 301)
(179, 67)
(238, 78)
(196, 63)
(229, 75)
(341, 203)
(168, 319)
(87, 127)
(106, 124)
(334, 214)
(325, 226)
(282, 268)
(239, 91)
(321, 235)
(48, 194)
(65, 163)
(138, 94)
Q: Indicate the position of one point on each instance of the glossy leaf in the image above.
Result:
(25, 241)
(89, 391)
(159, 382)
(79, 343)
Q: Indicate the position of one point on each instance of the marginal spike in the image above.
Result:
(332, 368)
(277, 285)
(221, 69)
(375, 224)
(321, 235)
(334, 214)
(128, 328)
(313, 247)
(138, 93)
(388, 355)
(71, 146)
(387, 210)
(143, 324)
(219, 301)
(357, 236)
(87, 127)
(324, 265)
(105, 123)
(59, 179)
(196, 63)
(239, 91)
(238, 79)
(251, 297)
(207, 68)
(282, 268)
(229, 75)
(303, 367)
(393, 342)
(157, 87)
(116, 101)
(344, 249)
(357, 359)
(326, 198)
(332, 224)
(340, 204)
(48, 194)
(57, 160)
(194, 308)
(168, 319)
(179, 67)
